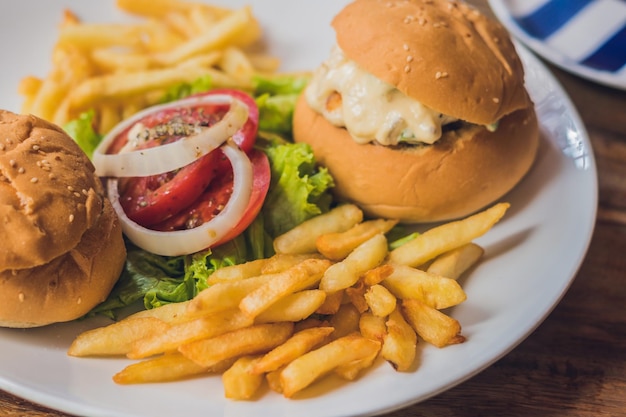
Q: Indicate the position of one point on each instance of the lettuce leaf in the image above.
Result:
(82, 131)
(183, 90)
(276, 98)
(298, 189)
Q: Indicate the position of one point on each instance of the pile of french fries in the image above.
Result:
(118, 69)
(334, 299)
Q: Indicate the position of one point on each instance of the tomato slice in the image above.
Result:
(215, 197)
(152, 200)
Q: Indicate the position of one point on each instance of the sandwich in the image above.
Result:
(420, 113)
(62, 246)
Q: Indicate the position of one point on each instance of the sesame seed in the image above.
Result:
(405, 47)
(85, 192)
(34, 180)
(441, 74)
(52, 176)
(496, 100)
(20, 297)
(2, 147)
(421, 21)
(70, 188)
(407, 68)
(21, 170)
(13, 163)
(80, 300)
(71, 219)
(35, 147)
(76, 194)
(409, 58)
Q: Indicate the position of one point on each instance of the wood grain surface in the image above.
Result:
(574, 364)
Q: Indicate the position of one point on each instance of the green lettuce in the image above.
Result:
(276, 98)
(183, 90)
(82, 131)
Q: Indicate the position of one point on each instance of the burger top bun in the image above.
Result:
(62, 247)
(432, 50)
(49, 195)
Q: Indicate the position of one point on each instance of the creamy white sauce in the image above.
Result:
(371, 110)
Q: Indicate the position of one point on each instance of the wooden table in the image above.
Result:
(574, 364)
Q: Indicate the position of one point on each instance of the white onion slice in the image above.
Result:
(174, 155)
(183, 242)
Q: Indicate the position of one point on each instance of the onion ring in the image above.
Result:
(183, 242)
(174, 155)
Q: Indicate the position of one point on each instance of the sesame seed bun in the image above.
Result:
(62, 246)
(456, 61)
(442, 53)
(462, 172)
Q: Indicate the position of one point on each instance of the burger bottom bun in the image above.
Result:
(462, 172)
(70, 285)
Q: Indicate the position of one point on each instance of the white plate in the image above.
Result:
(532, 254)
(584, 37)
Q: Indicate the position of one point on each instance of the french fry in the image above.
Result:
(297, 345)
(345, 320)
(170, 367)
(431, 324)
(259, 338)
(117, 86)
(169, 313)
(448, 236)
(264, 63)
(70, 67)
(336, 246)
(180, 22)
(237, 272)
(331, 303)
(350, 371)
(380, 301)
(69, 18)
(294, 307)
(356, 295)
(302, 238)
(235, 63)
(99, 35)
(215, 37)
(187, 332)
(377, 275)
(113, 60)
(303, 371)
(109, 116)
(373, 327)
(239, 382)
(399, 343)
(346, 273)
(116, 338)
(159, 8)
(225, 295)
(280, 262)
(273, 380)
(454, 263)
(298, 277)
(436, 291)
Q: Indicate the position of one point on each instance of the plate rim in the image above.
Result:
(66, 405)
